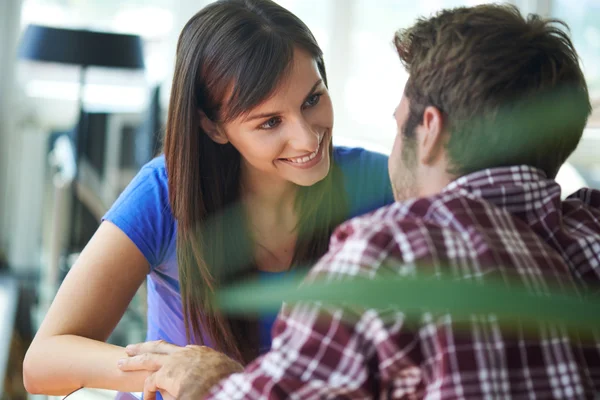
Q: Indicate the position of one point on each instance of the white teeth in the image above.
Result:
(305, 159)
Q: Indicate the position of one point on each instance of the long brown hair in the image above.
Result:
(246, 45)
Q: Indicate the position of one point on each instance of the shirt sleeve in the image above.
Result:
(143, 213)
(319, 352)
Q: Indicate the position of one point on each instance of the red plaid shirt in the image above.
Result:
(501, 222)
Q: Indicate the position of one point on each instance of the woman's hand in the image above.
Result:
(178, 372)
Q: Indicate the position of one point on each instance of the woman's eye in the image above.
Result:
(313, 100)
(271, 123)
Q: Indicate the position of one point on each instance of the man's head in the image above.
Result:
(487, 88)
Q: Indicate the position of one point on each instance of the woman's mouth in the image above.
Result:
(308, 160)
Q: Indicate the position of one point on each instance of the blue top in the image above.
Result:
(143, 213)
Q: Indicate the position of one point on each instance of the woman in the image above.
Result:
(249, 183)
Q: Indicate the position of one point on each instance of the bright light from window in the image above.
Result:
(149, 22)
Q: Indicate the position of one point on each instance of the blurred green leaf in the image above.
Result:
(415, 296)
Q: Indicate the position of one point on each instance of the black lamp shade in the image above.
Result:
(81, 47)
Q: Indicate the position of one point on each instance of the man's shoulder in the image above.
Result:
(587, 196)
(402, 234)
(383, 220)
(363, 245)
(408, 215)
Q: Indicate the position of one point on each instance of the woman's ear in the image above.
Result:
(212, 129)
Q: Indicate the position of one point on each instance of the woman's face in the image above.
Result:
(287, 137)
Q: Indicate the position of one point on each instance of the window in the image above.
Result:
(584, 21)
(107, 89)
(317, 15)
(149, 18)
(374, 76)
(365, 75)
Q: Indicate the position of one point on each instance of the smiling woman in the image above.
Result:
(250, 184)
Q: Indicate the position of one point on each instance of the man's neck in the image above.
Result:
(434, 179)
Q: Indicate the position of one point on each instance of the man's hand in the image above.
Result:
(190, 373)
(147, 356)
(180, 372)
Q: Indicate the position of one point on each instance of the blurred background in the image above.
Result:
(75, 128)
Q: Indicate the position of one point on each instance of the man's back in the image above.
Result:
(500, 224)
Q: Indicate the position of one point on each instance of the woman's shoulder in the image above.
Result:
(142, 211)
(366, 180)
(358, 156)
(150, 182)
(157, 164)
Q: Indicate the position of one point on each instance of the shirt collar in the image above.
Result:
(517, 175)
(519, 188)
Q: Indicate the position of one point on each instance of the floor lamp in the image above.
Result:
(83, 48)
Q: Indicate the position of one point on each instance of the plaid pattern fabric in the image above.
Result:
(504, 223)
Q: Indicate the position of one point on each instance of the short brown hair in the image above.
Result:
(483, 67)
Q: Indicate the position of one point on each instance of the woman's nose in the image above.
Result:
(304, 137)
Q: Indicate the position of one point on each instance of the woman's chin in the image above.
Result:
(314, 175)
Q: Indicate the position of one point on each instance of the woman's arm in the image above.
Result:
(68, 352)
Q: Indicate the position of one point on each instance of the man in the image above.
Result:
(473, 168)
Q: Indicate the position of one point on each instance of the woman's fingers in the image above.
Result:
(143, 362)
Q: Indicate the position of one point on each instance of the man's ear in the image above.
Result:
(212, 129)
(431, 136)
